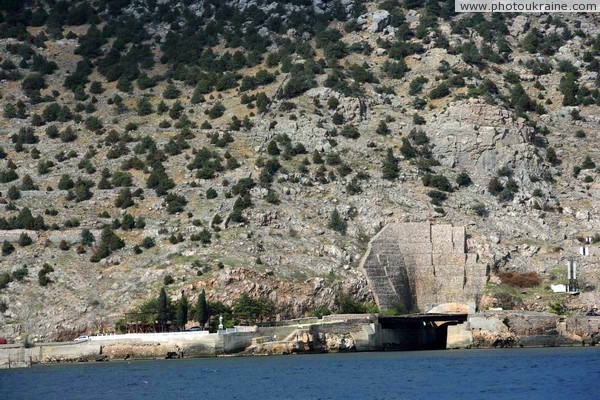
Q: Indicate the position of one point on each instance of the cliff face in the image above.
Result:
(218, 140)
(477, 137)
(420, 266)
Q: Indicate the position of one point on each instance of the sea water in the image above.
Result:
(549, 373)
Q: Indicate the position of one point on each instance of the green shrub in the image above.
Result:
(441, 90)
(24, 240)
(580, 134)
(350, 132)
(216, 111)
(337, 223)
(175, 203)
(390, 166)
(382, 129)
(557, 308)
(13, 193)
(144, 107)
(551, 156)
(439, 182)
(273, 149)
(148, 242)
(416, 85)
(417, 119)
(346, 304)
(124, 199)
(43, 279)
(480, 210)
(7, 248)
(463, 179)
(211, 194)
(437, 197)
(395, 69)
(93, 124)
(495, 186)
(588, 163)
(171, 92)
(272, 197)
(20, 273)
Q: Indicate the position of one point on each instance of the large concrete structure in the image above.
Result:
(419, 266)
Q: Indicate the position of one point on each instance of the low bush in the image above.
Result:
(520, 279)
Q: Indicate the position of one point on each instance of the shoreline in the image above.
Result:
(249, 356)
(331, 334)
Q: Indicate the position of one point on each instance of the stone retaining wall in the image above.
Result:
(417, 266)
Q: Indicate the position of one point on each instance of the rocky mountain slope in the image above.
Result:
(254, 147)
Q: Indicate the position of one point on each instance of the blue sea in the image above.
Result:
(548, 373)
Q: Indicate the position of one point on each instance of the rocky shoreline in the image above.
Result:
(333, 334)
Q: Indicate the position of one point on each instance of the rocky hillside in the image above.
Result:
(254, 147)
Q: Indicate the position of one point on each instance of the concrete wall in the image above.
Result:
(417, 266)
(155, 346)
(21, 356)
(152, 337)
(233, 342)
(459, 336)
(280, 332)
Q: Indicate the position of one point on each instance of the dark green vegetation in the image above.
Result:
(163, 314)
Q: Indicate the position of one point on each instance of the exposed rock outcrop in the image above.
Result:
(480, 138)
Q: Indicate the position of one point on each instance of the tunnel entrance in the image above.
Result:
(417, 331)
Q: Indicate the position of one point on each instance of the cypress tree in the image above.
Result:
(390, 166)
(202, 309)
(163, 308)
(182, 312)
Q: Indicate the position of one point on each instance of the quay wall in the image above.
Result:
(486, 329)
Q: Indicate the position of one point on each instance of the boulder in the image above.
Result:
(379, 20)
(520, 25)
